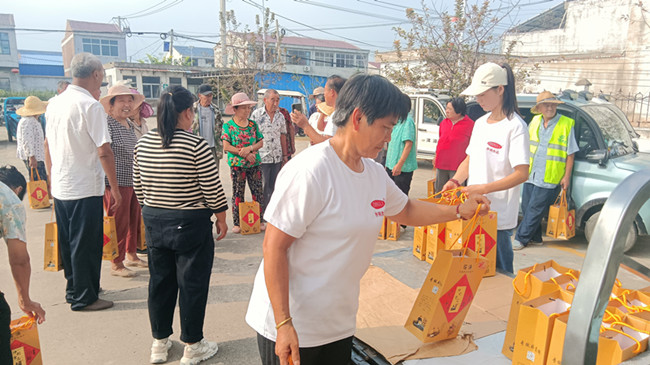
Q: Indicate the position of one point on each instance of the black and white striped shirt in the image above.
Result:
(182, 176)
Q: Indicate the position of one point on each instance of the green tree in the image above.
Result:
(165, 60)
(441, 49)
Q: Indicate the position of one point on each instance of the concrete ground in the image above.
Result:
(121, 335)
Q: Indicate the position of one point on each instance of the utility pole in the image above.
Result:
(277, 42)
(224, 56)
(263, 36)
(171, 43)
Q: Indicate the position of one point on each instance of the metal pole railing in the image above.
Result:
(600, 267)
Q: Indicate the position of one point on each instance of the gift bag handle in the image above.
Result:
(638, 343)
(471, 225)
(451, 196)
(29, 322)
(526, 279)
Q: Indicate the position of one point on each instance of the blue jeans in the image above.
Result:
(534, 204)
(505, 255)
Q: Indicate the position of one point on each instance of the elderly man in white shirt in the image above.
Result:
(78, 154)
(274, 152)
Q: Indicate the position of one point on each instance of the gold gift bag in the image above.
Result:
(51, 254)
(382, 230)
(446, 295)
(110, 239)
(420, 242)
(535, 326)
(392, 230)
(482, 240)
(24, 344)
(249, 217)
(37, 191)
(431, 187)
(435, 241)
(561, 221)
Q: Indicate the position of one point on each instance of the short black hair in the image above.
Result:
(335, 82)
(459, 105)
(11, 177)
(374, 95)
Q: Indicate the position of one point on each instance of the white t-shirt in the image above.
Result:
(313, 121)
(330, 127)
(335, 214)
(76, 127)
(494, 150)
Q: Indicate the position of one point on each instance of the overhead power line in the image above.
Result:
(348, 10)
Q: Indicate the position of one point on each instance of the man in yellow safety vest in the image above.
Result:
(552, 149)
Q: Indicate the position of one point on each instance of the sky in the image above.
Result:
(368, 24)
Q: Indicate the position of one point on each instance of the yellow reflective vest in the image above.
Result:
(558, 145)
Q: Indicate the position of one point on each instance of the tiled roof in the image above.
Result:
(308, 42)
(26, 57)
(195, 51)
(76, 25)
(550, 19)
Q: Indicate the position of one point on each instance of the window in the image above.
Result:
(432, 113)
(296, 57)
(100, 47)
(4, 43)
(361, 61)
(133, 81)
(151, 87)
(345, 60)
(324, 59)
(5, 84)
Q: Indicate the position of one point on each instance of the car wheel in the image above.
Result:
(590, 225)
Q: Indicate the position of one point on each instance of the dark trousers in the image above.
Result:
(81, 236)
(180, 251)
(40, 167)
(239, 177)
(5, 332)
(442, 176)
(403, 180)
(534, 204)
(334, 353)
(505, 255)
(270, 173)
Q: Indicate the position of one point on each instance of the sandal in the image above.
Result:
(124, 273)
(139, 263)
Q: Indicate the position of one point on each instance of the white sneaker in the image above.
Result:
(160, 350)
(516, 245)
(195, 353)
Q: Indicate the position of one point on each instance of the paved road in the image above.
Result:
(121, 335)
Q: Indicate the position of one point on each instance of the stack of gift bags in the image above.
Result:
(541, 304)
(429, 240)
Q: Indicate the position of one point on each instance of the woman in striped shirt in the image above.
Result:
(177, 182)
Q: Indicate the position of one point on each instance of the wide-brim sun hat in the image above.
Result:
(238, 99)
(325, 109)
(33, 106)
(118, 90)
(545, 97)
(487, 76)
(318, 91)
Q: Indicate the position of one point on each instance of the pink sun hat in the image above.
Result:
(238, 99)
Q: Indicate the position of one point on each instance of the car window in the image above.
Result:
(612, 126)
(432, 113)
(585, 137)
(413, 105)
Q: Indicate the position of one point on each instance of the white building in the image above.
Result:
(299, 55)
(198, 56)
(605, 42)
(106, 41)
(8, 52)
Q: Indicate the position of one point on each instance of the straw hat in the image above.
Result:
(487, 76)
(238, 100)
(33, 106)
(545, 97)
(325, 109)
(318, 91)
(120, 90)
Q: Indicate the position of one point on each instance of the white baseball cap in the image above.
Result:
(487, 76)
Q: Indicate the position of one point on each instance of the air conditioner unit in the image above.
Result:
(306, 68)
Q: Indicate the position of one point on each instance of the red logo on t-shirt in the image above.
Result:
(494, 145)
(378, 204)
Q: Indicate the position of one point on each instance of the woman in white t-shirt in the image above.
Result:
(323, 220)
(497, 156)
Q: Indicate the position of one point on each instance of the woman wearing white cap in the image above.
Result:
(497, 156)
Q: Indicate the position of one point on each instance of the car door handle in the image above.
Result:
(422, 130)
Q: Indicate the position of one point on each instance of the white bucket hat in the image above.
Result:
(487, 76)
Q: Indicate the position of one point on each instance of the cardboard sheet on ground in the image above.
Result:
(385, 303)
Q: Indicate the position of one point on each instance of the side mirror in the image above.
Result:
(598, 156)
